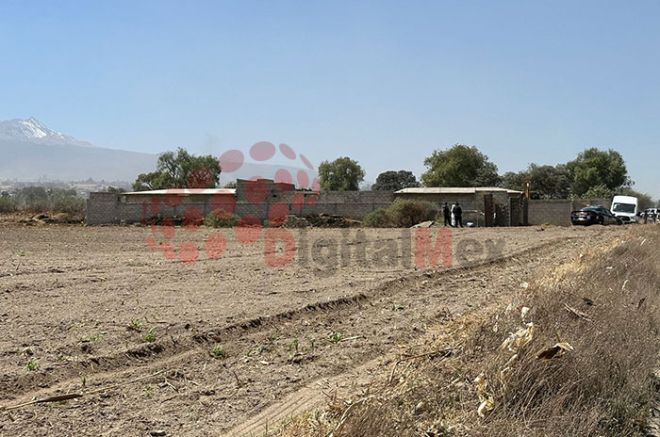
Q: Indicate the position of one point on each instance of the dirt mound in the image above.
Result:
(332, 221)
(53, 218)
(293, 221)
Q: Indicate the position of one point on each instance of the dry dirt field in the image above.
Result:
(153, 346)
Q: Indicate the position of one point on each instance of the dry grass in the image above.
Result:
(607, 308)
(605, 305)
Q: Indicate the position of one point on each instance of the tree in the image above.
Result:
(598, 192)
(395, 180)
(36, 198)
(33, 197)
(514, 180)
(180, 170)
(545, 181)
(459, 166)
(7, 203)
(595, 167)
(342, 174)
(549, 182)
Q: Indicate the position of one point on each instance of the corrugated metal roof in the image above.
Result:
(185, 191)
(453, 190)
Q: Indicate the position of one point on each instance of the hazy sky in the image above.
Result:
(383, 82)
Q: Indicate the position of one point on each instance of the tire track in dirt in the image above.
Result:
(164, 354)
(181, 345)
(313, 394)
(166, 351)
(305, 399)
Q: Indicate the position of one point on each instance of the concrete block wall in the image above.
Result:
(517, 213)
(354, 204)
(133, 213)
(467, 201)
(110, 208)
(258, 210)
(102, 208)
(553, 212)
(558, 211)
(135, 209)
(113, 208)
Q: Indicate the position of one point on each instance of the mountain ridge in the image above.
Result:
(30, 150)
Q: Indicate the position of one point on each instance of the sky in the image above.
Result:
(384, 82)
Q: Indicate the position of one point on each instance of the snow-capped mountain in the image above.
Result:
(33, 130)
(30, 151)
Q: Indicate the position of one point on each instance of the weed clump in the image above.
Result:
(32, 365)
(219, 218)
(150, 337)
(218, 352)
(401, 213)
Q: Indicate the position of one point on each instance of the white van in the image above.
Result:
(625, 207)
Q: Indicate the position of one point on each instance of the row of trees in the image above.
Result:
(594, 173)
(42, 199)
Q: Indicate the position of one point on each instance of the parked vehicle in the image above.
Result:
(594, 215)
(625, 208)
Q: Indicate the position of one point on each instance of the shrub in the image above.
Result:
(378, 218)
(7, 204)
(406, 213)
(66, 202)
(219, 218)
(40, 199)
(401, 213)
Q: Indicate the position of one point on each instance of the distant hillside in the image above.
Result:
(30, 151)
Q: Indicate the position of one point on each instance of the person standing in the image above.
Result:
(447, 214)
(458, 214)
